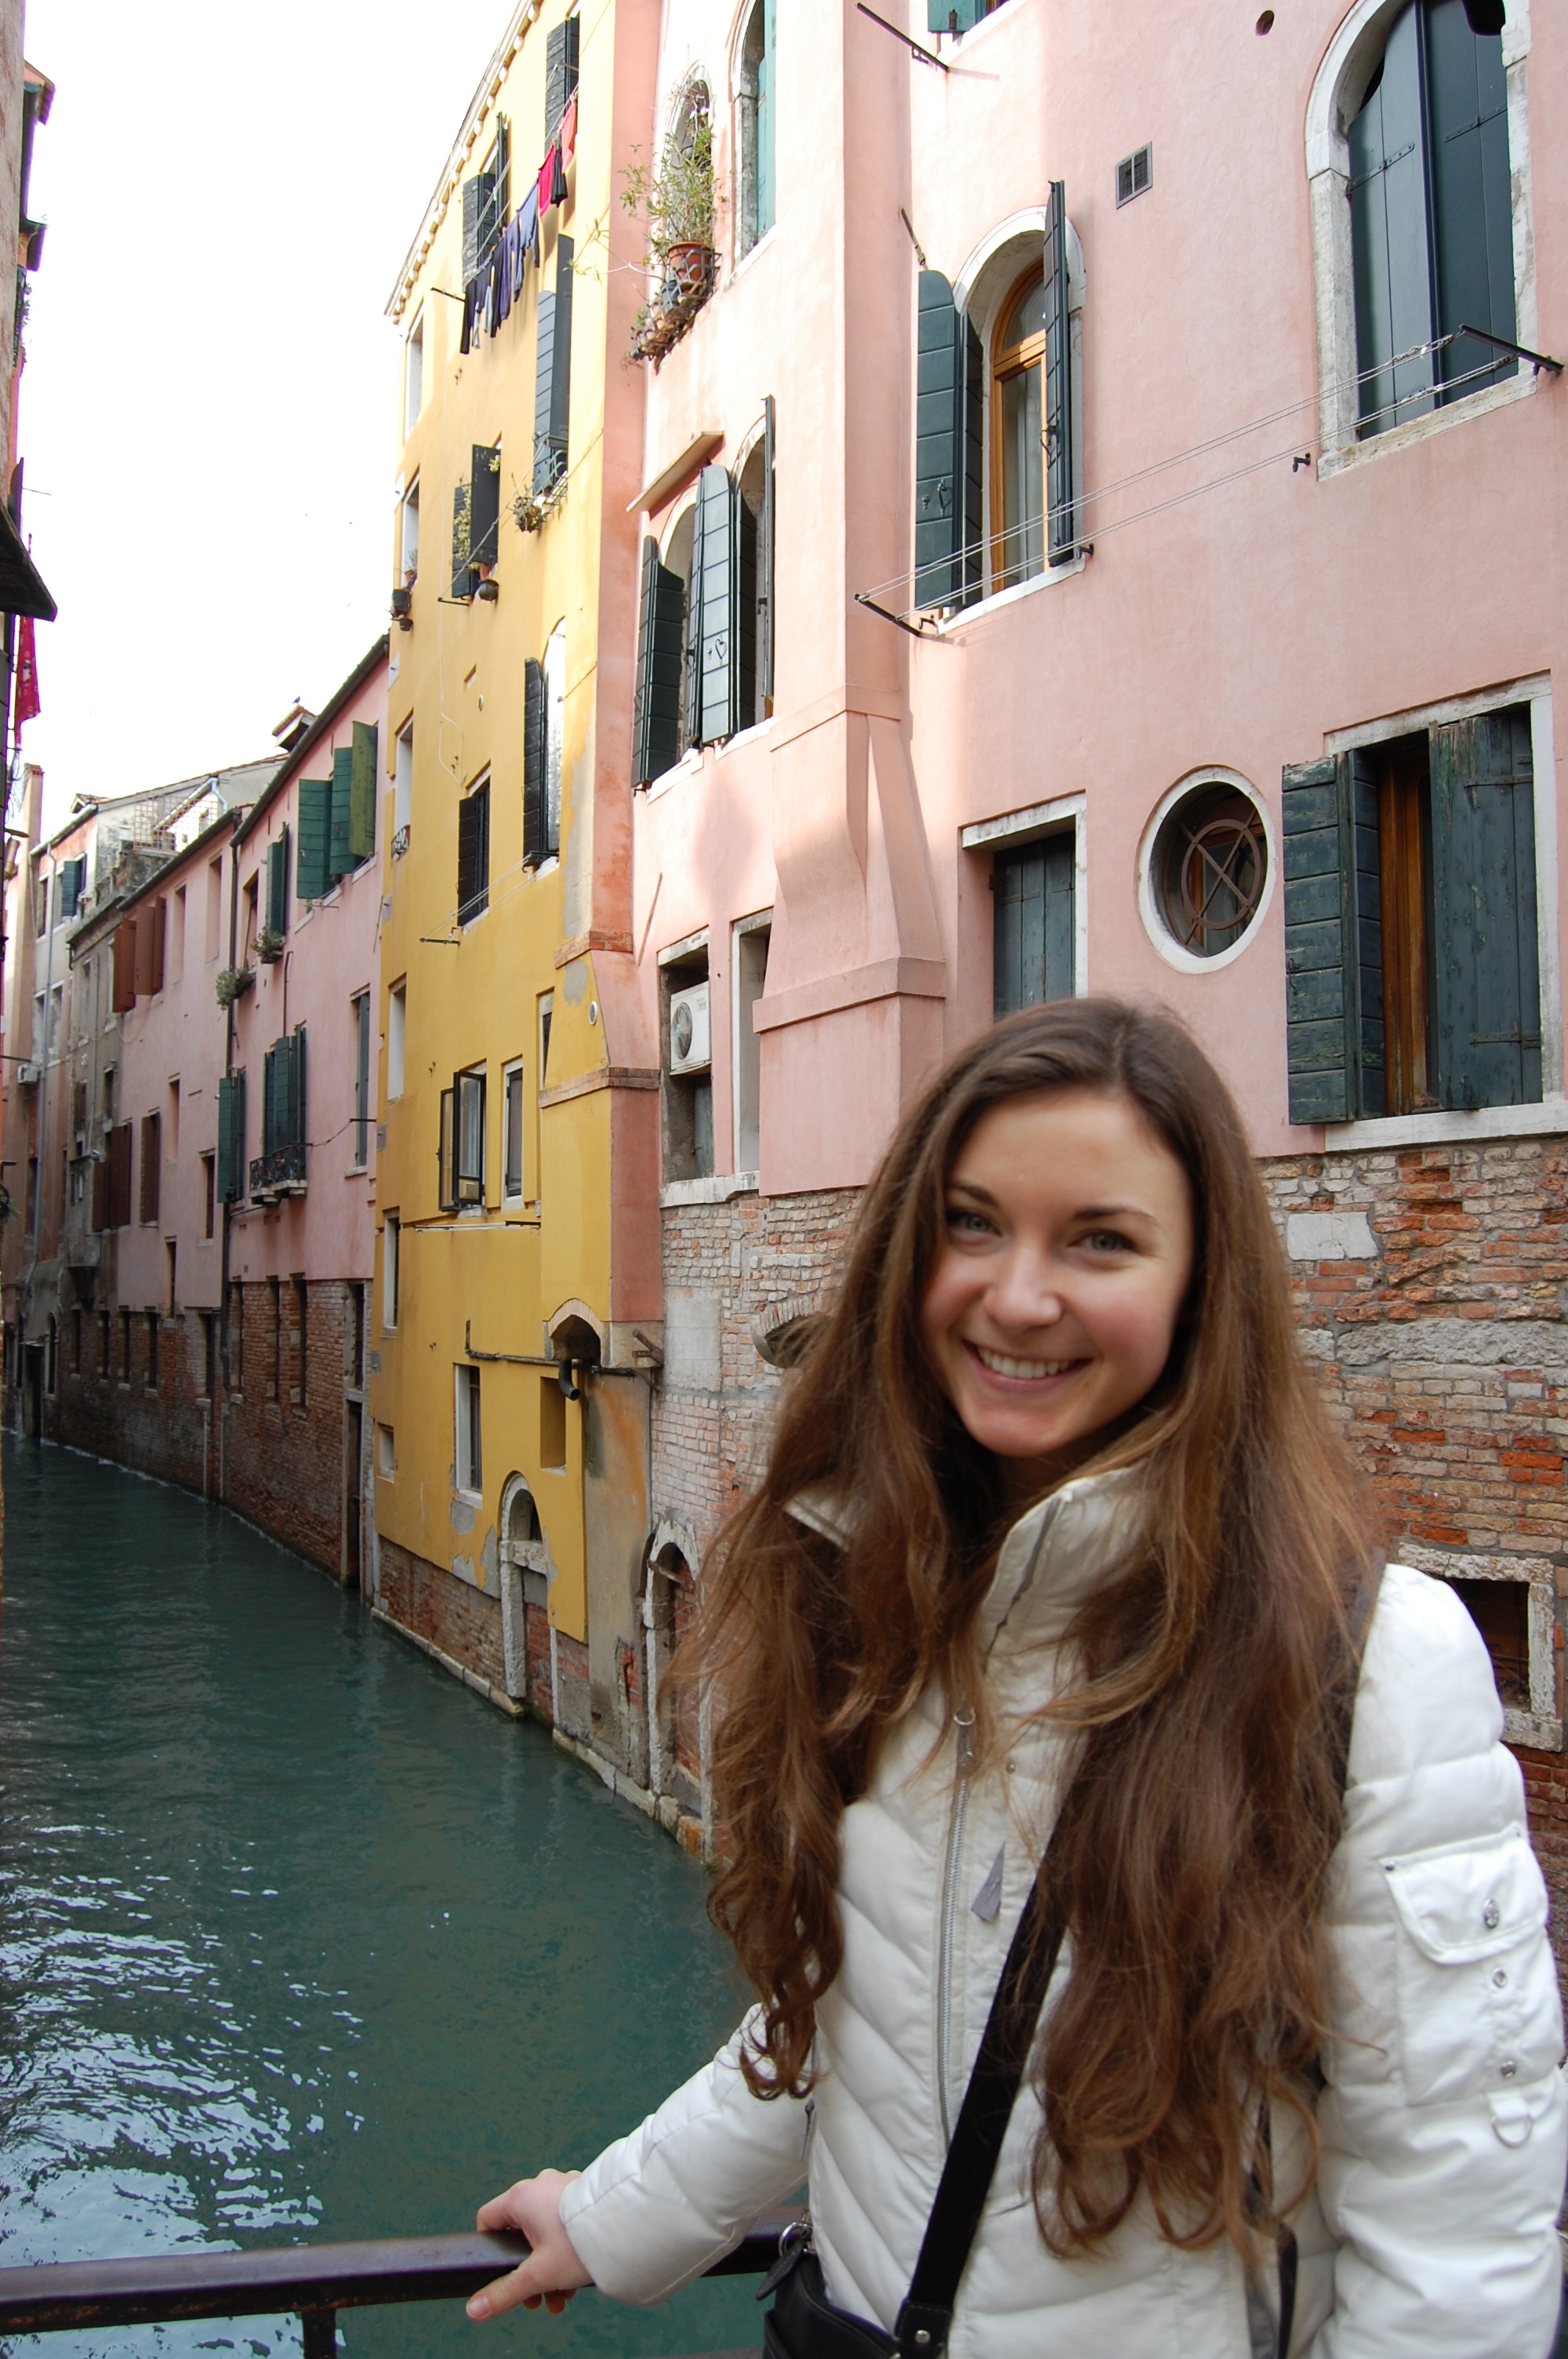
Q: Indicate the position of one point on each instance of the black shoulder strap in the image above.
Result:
(926, 2316)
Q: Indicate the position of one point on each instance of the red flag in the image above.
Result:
(27, 707)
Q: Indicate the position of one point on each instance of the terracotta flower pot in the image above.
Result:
(691, 267)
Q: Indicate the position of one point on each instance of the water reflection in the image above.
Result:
(301, 1940)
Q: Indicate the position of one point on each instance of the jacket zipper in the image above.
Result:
(964, 1725)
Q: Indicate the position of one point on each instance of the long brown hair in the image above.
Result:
(1197, 1832)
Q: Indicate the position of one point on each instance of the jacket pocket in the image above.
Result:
(1478, 2003)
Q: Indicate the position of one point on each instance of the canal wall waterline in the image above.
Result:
(295, 1944)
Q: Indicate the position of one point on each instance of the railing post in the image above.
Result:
(320, 2334)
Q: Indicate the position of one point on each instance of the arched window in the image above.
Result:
(756, 111)
(1018, 426)
(1430, 216)
(997, 397)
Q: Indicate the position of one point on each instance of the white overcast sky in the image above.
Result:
(209, 401)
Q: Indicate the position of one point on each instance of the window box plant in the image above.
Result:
(679, 200)
(269, 946)
(232, 981)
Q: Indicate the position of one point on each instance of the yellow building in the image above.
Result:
(518, 1283)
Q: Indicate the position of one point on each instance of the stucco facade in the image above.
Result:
(1259, 577)
(516, 1182)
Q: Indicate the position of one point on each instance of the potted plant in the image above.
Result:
(232, 981)
(269, 946)
(679, 200)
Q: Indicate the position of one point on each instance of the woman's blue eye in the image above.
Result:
(1106, 1240)
(970, 1223)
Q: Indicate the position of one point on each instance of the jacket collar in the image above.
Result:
(1049, 1562)
(1054, 1557)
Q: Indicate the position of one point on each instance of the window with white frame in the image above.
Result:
(1418, 161)
(1036, 901)
(391, 1247)
(410, 533)
(1511, 1601)
(512, 1133)
(755, 106)
(1412, 935)
(748, 966)
(998, 443)
(468, 1462)
(414, 375)
(402, 791)
(396, 1030)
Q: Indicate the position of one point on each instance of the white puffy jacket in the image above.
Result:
(1445, 2120)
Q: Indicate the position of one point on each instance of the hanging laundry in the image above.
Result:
(503, 271)
(526, 229)
(558, 178)
(568, 131)
(547, 184)
(472, 297)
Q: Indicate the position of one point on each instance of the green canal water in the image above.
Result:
(299, 1941)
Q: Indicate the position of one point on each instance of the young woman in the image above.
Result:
(1055, 1546)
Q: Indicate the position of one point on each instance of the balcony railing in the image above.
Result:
(280, 1173)
(316, 2280)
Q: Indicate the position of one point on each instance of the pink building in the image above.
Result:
(208, 1283)
(1100, 536)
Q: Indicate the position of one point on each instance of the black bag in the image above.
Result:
(803, 2322)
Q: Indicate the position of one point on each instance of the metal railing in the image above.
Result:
(316, 2280)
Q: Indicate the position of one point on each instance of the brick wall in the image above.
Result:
(452, 1614)
(730, 1271)
(278, 1461)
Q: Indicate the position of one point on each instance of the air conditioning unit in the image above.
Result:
(690, 1037)
(29, 1076)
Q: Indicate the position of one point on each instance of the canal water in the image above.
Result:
(298, 1939)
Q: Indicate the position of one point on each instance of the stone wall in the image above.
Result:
(275, 1453)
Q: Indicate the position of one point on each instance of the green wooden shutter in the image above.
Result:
(1358, 775)
(484, 504)
(1062, 523)
(295, 1135)
(1485, 954)
(363, 758)
(766, 102)
(277, 882)
(765, 568)
(1321, 958)
(552, 373)
(1472, 208)
(656, 719)
(474, 855)
(948, 570)
(272, 1097)
(232, 1136)
(1390, 236)
(338, 858)
(463, 576)
(560, 73)
(476, 197)
(492, 197)
(1034, 943)
(715, 606)
(313, 805)
(445, 1195)
(535, 818)
(73, 881)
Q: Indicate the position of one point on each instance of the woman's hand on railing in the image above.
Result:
(552, 2272)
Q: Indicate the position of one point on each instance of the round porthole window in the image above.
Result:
(1209, 870)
